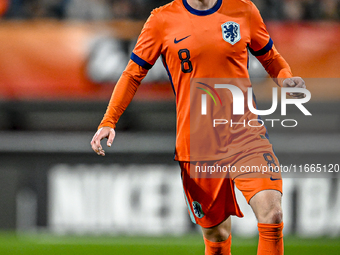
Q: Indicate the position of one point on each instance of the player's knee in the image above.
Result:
(217, 235)
(274, 216)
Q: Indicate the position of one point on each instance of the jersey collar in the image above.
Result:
(205, 12)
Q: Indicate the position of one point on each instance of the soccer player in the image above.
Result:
(210, 39)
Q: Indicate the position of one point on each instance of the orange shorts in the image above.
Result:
(209, 185)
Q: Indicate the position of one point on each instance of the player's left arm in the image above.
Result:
(261, 46)
(279, 70)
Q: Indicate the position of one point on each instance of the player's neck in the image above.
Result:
(202, 4)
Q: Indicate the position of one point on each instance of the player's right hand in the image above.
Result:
(104, 132)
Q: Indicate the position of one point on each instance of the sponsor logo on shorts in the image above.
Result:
(274, 179)
(197, 209)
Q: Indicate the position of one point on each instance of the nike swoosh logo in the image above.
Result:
(273, 179)
(177, 41)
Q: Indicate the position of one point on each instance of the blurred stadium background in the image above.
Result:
(59, 61)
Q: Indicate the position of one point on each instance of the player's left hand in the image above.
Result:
(295, 82)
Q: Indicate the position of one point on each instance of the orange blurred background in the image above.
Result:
(46, 59)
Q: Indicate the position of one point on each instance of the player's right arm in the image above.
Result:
(145, 54)
(122, 95)
(104, 132)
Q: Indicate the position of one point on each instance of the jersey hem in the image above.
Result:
(188, 158)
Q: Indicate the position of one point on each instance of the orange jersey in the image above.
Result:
(204, 44)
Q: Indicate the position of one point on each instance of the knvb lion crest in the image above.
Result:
(231, 32)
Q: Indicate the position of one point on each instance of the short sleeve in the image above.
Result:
(149, 43)
(260, 42)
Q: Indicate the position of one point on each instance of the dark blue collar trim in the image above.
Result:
(205, 12)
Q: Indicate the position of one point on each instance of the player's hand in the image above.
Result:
(104, 132)
(295, 82)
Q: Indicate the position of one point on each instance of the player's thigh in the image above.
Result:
(210, 200)
(268, 176)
